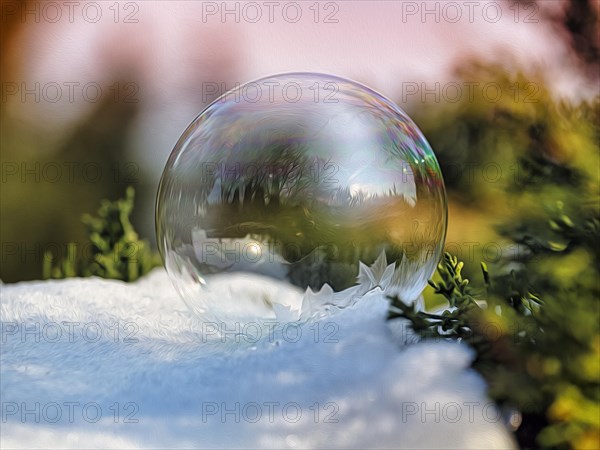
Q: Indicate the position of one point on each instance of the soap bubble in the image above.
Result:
(295, 194)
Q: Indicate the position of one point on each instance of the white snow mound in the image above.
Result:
(91, 363)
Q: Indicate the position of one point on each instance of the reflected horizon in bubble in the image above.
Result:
(298, 192)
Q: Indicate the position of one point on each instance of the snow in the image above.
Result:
(128, 366)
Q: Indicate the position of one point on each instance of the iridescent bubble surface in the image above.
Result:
(296, 193)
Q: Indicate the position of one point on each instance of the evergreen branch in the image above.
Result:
(116, 250)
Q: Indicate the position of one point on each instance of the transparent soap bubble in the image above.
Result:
(295, 194)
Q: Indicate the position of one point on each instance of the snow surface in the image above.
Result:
(128, 366)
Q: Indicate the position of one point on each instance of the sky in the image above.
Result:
(177, 53)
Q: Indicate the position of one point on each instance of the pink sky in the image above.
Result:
(173, 51)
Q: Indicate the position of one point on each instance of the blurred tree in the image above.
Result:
(538, 339)
(578, 21)
(50, 189)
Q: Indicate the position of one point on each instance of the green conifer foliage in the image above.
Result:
(116, 252)
(534, 318)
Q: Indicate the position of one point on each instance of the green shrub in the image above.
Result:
(534, 320)
(117, 252)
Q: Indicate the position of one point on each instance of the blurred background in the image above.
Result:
(95, 95)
